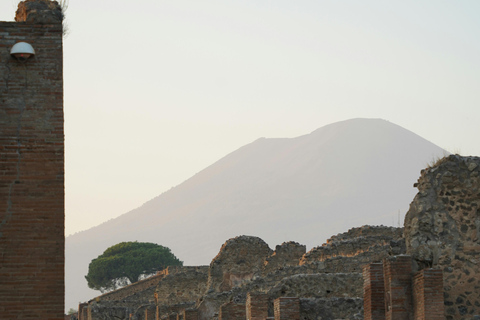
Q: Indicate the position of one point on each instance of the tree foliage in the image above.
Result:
(126, 262)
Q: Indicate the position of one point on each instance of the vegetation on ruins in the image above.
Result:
(128, 262)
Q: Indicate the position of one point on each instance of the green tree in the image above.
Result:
(126, 262)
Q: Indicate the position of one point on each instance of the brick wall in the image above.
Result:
(373, 292)
(232, 311)
(150, 313)
(398, 288)
(190, 314)
(257, 306)
(83, 311)
(428, 295)
(286, 308)
(31, 174)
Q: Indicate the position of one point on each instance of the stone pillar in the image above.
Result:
(257, 306)
(232, 311)
(373, 292)
(398, 287)
(286, 308)
(427, 290)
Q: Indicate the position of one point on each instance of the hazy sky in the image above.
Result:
(157, 90)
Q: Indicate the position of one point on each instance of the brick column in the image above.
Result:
(257, 306)
(190, 314)
(232, 311)
(398, 287)
(32, 243)
(373, 292)
(286, 308)
(428, 295)
(150, 313)
(83, 311)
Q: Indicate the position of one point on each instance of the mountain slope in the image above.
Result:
(304, 189)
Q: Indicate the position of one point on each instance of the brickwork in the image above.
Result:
(373, 292)
(257, 306)
(428, 295)
(190, 314)
(232, 311)
(398, 288)
(83, 311)
(150, 313)
(31, 174)
(286, 308)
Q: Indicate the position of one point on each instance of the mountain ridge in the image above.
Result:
(305, 189)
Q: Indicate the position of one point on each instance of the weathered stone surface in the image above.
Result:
(352, 250)
(322, 285)
(286, 254)
(182, 285)
(240, 259)
(39, 12)
(442, 229)
(335, 308)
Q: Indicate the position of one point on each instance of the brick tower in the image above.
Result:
(32, 241)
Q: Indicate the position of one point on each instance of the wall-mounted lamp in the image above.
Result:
(22, 51)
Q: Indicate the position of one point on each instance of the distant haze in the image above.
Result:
(303, 189)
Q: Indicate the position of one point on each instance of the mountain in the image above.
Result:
(303, 189)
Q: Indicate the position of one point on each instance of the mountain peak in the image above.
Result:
(304, 189)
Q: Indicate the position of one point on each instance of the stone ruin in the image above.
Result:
(442, 230)
(427, 270)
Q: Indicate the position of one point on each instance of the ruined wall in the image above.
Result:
(285, 255)
(187, 284)
(352, 250)
(322, 285)
(231, 267)
(31, 171)
(136, 289)
(172, 290)
(442, 229)
(334, 308)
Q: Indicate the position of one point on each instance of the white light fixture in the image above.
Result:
(22, 51)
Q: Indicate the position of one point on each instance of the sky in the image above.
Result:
(155, 91)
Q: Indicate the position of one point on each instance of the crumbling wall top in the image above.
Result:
(39, 12)
(442, 229)
(239, 259)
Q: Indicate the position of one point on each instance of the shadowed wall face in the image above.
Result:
(31, 172)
